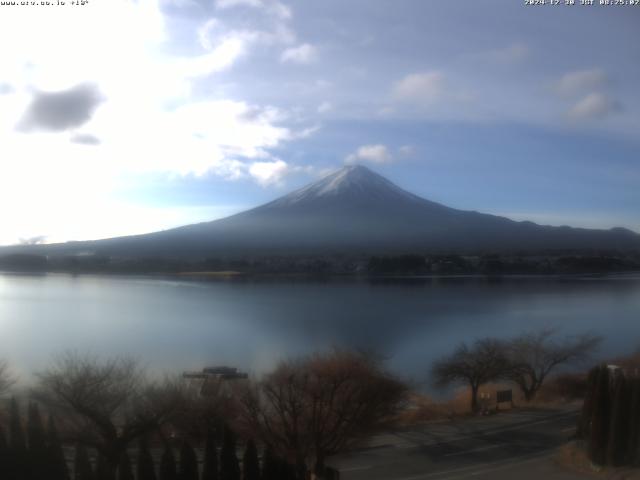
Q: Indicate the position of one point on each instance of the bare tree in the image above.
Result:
(532, 357)
(320, 405)
(107, 403)
(484, 361)
(6, 379)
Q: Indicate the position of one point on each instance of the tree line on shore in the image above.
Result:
(545, 263)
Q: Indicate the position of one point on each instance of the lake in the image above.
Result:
(174, 325)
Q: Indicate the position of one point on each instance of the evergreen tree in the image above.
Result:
(270, 467)
(188, 462)
(229, 465)
(82, 465)
(168, 465)
(125, 471)
(5, 456)
(600, 419)
(57, 463)
(250, 462)
(17, 444)
(287, 471)
(634, 422)
(36, 435)
(618, 446)
(586, 414)
(145, 467)
(210, 469)
(103, 469)
(38, 459)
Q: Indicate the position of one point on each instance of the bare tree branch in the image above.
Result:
(6, 379)
(320, 405)
(534, 355)
(108, 402)
(484, 361)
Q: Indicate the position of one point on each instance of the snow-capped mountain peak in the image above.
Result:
(353, 182)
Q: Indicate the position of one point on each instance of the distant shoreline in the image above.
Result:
(401, 266)
(244, 276)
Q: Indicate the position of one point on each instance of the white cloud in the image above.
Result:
(150, 121)
(370, 153)
(213, 35)
(269, 173)
(425, 88)
(576, 83)
(236, 3)
(325, 107)
(274, 7)
(302, 54)
(593, 106)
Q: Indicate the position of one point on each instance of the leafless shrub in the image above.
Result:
(320, 405)
(107, 403)
(485, 360)
(533, 356)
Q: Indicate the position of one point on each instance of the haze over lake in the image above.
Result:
(176, 325)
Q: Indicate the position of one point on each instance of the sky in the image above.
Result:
(120, 117)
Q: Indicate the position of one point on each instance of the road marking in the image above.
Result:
(497, 465)
(496, 469)
(474, 435)
(479, 449)
(355, 469)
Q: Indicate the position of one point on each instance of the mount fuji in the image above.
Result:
(353, 210)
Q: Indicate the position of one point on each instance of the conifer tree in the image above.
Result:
(270, 467)
(188, 462)
(36, 435)
(82, 465)
(250, 462)
(103, 469)
(145, 467)
(168, 465)
(229, 465)
(125, 471)
(600, 420)
(287, 471)
(618, 446)
(37, 465)
(57, 463)
(5, 457)
(210, 469)
(634, 422)
(17, 444)
(586, 414)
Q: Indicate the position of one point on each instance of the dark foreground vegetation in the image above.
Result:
(609, 428)
(113, 421)
(549, 263)
(90, 419)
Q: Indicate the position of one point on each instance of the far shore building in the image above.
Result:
(212, 381)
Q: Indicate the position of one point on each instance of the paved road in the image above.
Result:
(516, 444)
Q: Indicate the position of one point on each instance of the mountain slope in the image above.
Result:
(354, 210)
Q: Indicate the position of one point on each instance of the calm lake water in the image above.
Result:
(175, 325)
